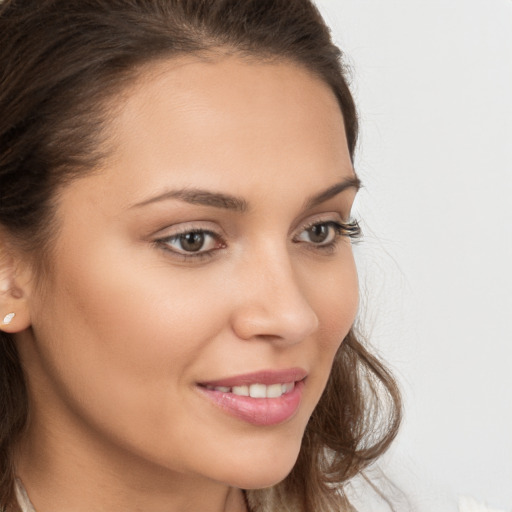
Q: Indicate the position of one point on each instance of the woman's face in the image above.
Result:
(202, 262)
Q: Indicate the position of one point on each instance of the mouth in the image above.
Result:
(263, 398)
(256, 390)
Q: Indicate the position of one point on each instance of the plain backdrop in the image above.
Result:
(433, 82)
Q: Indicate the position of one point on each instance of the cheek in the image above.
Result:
(336, 300)
(109, 334)
(333, 293)
(123, 349)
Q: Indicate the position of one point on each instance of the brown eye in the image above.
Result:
(192, 242)
(319, 233)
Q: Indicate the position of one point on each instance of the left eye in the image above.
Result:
(192, 242)
(322, 233)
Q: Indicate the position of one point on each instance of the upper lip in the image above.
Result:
(267, 377)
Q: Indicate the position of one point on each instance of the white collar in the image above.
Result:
(22, 497)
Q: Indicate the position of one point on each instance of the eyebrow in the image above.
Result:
(238, 204)
(201, 197)
(353, 182)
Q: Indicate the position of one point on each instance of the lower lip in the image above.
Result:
(258, 411)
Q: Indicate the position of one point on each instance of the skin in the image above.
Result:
(123, 328)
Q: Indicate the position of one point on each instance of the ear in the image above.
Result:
(14, 288)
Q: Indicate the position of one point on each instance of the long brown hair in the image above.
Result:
(62, 62)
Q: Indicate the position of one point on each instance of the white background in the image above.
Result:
(433, 82)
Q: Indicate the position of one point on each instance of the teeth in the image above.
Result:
(257, 390)
(240, 390)
(274, 390)
(288, 387)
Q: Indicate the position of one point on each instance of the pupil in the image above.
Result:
(192, 242)
(319, 233)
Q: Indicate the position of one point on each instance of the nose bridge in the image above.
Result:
(273, 303)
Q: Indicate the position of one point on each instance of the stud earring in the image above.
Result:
(8, 318)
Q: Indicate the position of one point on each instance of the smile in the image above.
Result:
(263, 398)
(256, 390)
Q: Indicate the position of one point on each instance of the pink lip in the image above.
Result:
(266, 377)
(258, 411)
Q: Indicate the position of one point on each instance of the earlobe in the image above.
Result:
(15, 321)
(14, 314)
(14, 311)
(8, 318)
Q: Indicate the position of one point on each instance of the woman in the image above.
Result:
(178, 286)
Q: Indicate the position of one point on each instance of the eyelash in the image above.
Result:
(189, 256)
(349, 229)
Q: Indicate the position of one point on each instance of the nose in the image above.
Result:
(271, 302)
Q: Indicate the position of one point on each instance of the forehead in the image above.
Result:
(226, 122)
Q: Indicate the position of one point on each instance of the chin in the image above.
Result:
(265, 469)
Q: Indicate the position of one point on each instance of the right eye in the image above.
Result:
(195, 242)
